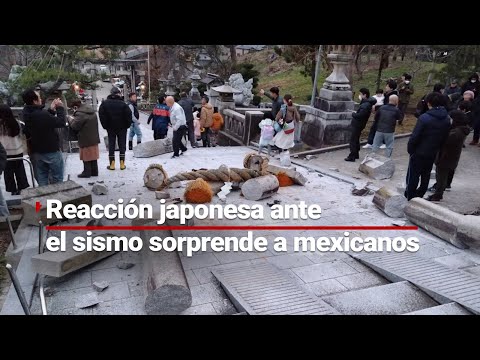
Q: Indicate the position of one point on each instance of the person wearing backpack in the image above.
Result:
(267, 132)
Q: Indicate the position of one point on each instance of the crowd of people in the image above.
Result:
(445, 117)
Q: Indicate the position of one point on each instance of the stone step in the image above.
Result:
(265, 290)
(391, 299)
(445, 309)
(68, 192)
(441, 282)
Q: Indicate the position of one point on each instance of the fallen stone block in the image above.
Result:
(99, 189)
(68, 192)
(260, 188)
(60, 263)
(390, 202)
(105, 140)
(87, 300)
(153, 148)
(297, 177)
(167, 291)
(100, 285)
(162, 195)
(377, 166)
(310, 157)
(459, 230)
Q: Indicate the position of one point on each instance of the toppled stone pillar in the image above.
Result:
(459, 230)
(377, 166)
(260, 188)
(390, 202)
(166, 284)
(296, 177)
(68, 192)
(153, 148)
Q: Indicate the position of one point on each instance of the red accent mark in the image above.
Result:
(38, 206)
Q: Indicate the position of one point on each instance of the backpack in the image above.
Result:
(268, 132)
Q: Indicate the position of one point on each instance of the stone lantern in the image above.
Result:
(328, 123)
(169, 83)
(225, 96)
(194, 92)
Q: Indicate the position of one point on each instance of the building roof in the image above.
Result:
(136, 52)
(251, 47)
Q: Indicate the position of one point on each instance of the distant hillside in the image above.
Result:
(275, 71)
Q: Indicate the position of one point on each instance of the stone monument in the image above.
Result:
(246, 96)
(169, 83)
(328, 123)
(194, 92)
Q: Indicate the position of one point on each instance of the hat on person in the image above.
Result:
(114, 90)
(470, 93)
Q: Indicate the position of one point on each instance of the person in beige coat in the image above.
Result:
(206, 120)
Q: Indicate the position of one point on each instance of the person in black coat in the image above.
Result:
(427, 137)
(472, 84)
(449, 155)
(445, 101)
(42, 138)
(359, 121)
(187, 106)
(116, 118)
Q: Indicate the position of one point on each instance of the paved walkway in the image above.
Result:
(322, 274)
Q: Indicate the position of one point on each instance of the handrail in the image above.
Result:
(41, 276)
(29, 163)
(18, 289)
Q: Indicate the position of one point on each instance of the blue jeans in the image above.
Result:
(48, 165)
(380, 138)
(135, 130)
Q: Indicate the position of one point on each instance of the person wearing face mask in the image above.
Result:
(472, 84)
(85, 123)
(405, 90)
(359, 121)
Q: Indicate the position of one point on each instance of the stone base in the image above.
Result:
(328, 94)
(325, 128)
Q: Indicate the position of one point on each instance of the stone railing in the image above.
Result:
(234, 124)
(242, 127)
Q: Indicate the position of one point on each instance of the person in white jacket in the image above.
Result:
(11, 138)
(179, 125)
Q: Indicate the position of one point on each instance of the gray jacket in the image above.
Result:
(187, 105)
(387, 117)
